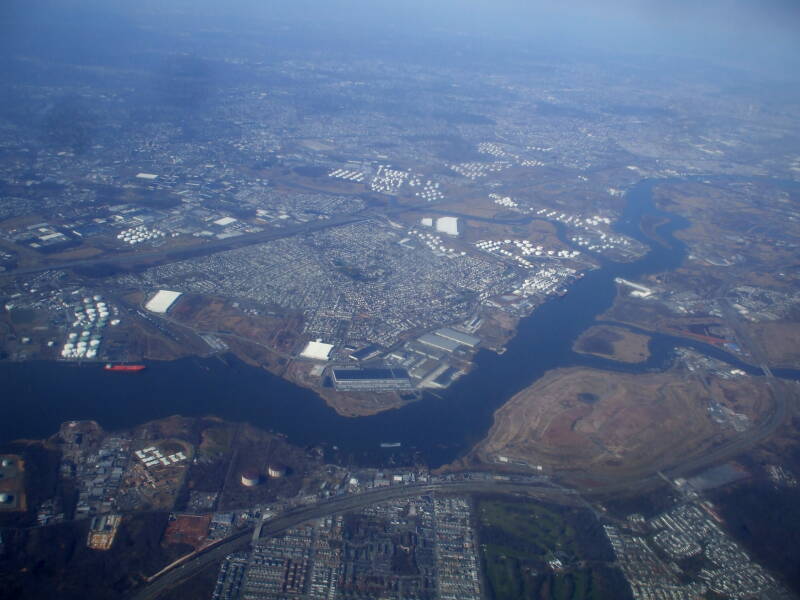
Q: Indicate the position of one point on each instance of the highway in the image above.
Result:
(163, 256)
(727, 450)
(182, 253)
(241, 541)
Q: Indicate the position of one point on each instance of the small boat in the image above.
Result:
(124, 368)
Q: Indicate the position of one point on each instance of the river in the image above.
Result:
(39, 396)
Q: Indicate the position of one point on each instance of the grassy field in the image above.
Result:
(535, 551)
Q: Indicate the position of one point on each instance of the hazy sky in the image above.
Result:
(757, 34)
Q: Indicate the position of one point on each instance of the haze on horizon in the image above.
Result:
(760, 37)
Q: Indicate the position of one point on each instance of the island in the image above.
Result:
(615, 343)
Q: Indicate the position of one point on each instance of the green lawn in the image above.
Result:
(518, 538)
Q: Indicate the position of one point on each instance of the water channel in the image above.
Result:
(39, 396)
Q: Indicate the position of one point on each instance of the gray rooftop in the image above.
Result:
(458, 336)
(437, 341)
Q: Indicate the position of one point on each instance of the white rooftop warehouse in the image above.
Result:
(317, 350)
(161, 302)
(448, 225)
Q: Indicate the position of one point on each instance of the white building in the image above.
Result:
(448, 225)
(162, 301)
(318, 350)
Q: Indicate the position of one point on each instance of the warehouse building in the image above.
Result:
(366, 353)
(370, 380)
(458, 336)
(317, 350)
(437, 341)
(448, 225)
(162, 301)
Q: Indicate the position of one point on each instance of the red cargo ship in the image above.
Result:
(124, 368)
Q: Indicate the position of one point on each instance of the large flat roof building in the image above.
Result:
(318, 350)
(374, 380)
(162, 301)
(448, 225)
(437, 341)
(458, 336)
(366, 353)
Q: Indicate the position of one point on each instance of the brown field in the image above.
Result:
(615, 343)
(257, 355)
(497, 329)
(146, 341)
(175, 426)
(651, 316)
(780, 341)
(718, 216)
(78, 253)
(187, 529)
(361, 404)
(215, 315)
(588, 423)
(475, 206)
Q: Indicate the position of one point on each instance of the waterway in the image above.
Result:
(39, 396)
